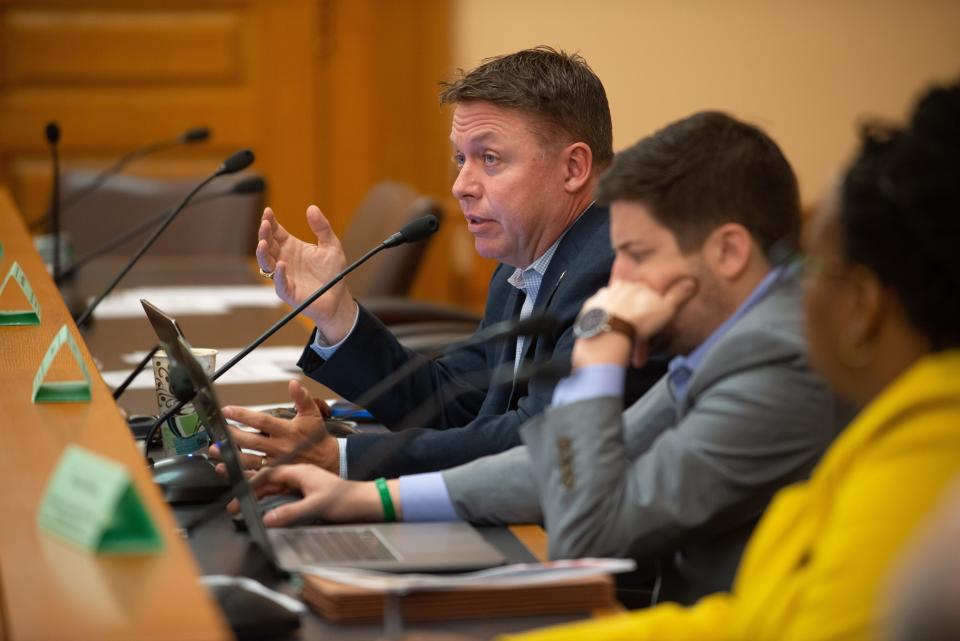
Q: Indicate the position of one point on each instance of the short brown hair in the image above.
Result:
(706, 170)
(558, 87)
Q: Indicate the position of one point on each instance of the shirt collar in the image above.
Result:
(529, 277)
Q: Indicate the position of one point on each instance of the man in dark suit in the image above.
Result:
(531, 132)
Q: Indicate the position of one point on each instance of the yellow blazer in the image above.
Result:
(815, 565)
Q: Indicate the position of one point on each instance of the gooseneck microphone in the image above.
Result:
(251, 185)
(239, 160)
(52, 132)
(190, 136)
(411, 232)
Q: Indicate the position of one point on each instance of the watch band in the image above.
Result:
(617, 324)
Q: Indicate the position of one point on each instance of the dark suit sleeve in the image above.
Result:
(371, 353)
(419, 450)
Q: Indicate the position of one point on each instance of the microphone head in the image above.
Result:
(195, 134)
(238, 161)
(413, 231)
(249, 185)
(52, 131)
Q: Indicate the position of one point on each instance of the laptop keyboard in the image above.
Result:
(338, 546)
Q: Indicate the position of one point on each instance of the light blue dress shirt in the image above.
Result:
(426, 494)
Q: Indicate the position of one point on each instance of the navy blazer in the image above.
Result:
(479, 419)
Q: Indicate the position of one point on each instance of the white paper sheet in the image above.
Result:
(263, 365)
(187, 301)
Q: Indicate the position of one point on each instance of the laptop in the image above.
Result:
(395, 547)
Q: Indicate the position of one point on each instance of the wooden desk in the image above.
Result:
(50, 589)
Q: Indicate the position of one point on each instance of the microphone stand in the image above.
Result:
(196, 134)
(132, 375)
(235, 163)
(267, 334)
(53, 137)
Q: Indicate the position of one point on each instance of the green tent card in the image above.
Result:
(91, 501)
(20, 316)
(61, 391)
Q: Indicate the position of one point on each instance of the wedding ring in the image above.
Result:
(265, 274)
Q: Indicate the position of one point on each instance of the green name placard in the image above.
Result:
(91, 502)
(20, 316)
(61, 391)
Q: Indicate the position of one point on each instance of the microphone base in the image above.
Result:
(252, 615)
(189, 479)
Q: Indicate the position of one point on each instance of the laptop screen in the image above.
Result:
(208, 408)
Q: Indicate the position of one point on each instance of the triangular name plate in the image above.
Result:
(61, 391)
(20, 316)
(91, 502)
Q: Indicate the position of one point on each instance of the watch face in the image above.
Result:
(591, 323)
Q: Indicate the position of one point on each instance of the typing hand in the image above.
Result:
(278, 437)
(326, 497)
(300, 268)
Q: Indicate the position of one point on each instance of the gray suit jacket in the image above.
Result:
(680, 485)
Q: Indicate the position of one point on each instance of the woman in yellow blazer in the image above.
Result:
(883, 320)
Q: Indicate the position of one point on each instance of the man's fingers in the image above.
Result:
(320, 226)
(285, 288)
(258, 420)
(325, 410)
(286, 514)
(302, 400)
(680, 291)
(249, 462)
(264, 258)
(250, 441)
(277, 232)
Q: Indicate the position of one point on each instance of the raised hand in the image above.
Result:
(300, 268)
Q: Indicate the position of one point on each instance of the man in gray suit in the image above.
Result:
(703, 214)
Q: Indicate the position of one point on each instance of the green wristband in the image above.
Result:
(389, 514)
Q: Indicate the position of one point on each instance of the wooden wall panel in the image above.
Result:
(115, 46)
(332, 96)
